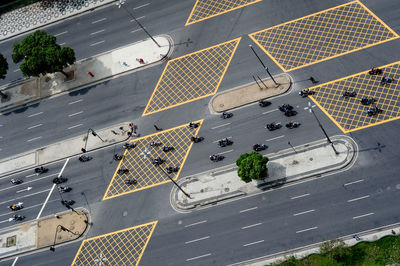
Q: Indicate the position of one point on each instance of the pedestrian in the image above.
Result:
(140, 60)
(157, 128)
(113, 131)
(91, 74)
(393, 232)
(125, 64)
(312, 79)
(356, 237)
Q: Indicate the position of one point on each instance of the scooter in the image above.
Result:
(17, 218)
(385, 80)
(67, 202)
(129, 145)
(59, 180)
(225, 142)
(16, 181)
(41, 170)
(122, 171)
(273, 126)
(306, 92)
(130, 182)
(373, 111)
(155, 144)
(84, 158)
(226, 115)
(367, 100)
(263, 103)
(16, 207)
(64, 189)
(292, 125)
(171, 169)
(349, 94)
(194, 125)
(168, 148)
(196, 139)
(157, 161)
(375, 71)
(259, 147)
(118, 157)
(216, 157)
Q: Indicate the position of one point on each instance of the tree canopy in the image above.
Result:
(252, 166)
(3, 67)
(41, 54)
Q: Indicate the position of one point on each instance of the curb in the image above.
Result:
(266, 185)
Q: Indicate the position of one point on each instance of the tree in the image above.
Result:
(3, 67)
(42, 55)
(252, 166)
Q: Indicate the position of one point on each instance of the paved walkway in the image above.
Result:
(102, 67)
(42, 13)
(286, 166)
(36, 234)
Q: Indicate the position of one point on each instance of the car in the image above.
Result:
(59, 180)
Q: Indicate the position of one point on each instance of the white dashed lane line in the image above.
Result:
(364, 215)
(250, 226)
(61, 33)
(300, 213)
(249, 209)
(75, 126)
(38, 125)
(275, 138)
(305, 230)
(97, 21)
(253, 243)
(193, 224)
(198, 257)
(96, 32)
(74, 114)
(301, 196)
(195, 240)
(96, 43)
(77, 101)
(141, 6)
(221, 126)
(29, 140)
(35, 114)
(354, 182)
(360, 198)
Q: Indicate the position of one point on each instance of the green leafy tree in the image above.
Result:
(252, 166)
(41, 55)
(3, 67)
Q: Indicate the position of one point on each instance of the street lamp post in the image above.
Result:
(52, 248)
(120, 4)
(266, 68)
(87, 136)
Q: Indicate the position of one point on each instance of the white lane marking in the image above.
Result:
(275, 138)
(35, 114)
(252, 225)
(305, 230)
(38, 125)
(77, 101)
(36, 179)
(75, 113)
(96, 21)
(246, 210)
(16, 199)
(15, 261)
(361, 216)
(253, 243)
(17, 70)
(297, 197)
(300, 213)
(27, 208)
(8, 220)
(136, 30)
(96, 43)
(189, 225)
(23, 190)
(195, 240)
(142, 17)
(198, 257)
(93, 33)
(215, 141)
(61, 44)
(51, 191)
(360, 198)
(75, 126)
(29, 140)
(225, 152)
(267, 112)
(354, 182)
(61, 33)
(221, 126)
(141, 6)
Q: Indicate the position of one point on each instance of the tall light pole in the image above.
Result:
(52, 248)
(310, 108)
(266, 68)
(87, 136)
(120, 4)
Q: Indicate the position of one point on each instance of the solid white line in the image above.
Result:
(93, 33)
(300, 213)
(93, 22)
(75, 113)
(132, 20)
(75, 126)
(225, 152)
(221, 126)
(195, 240)
(360, 198)
(96, 43)
(267, 112)
(77, 101)
(198, 257)
(249, 226)
(61, 33)
(38, 125)
(297, 197)
(368, 214)
(189, 225)
(135, 30)
(275, 138)
(15, 261)
(253, 243)
(246, 210)
(17, 70)
(305, 230)
(141, 6)
(354, 182)
(35, 114)
(224, 138)
(29, 140)
(16, 199)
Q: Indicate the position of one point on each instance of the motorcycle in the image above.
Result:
(17, 218)
(226, 115)
(292, 125)
(225, 142)
(196, 139)
(64, 189)
(157, 161)
(216, 157)
(273, 126)
(373, 111)
(16, 207)
(306, 92)
(129, 145)
(41, 170)
(194, 125)
(288, 110)
(155, 144)
(16, 181)
(385, 80)
(123, 171)
(118, 157)
(67, 202)
(263, 103)
(130, 182)
(60, 180)
(84, 158)
(375, 71)
(367, 100)
(168, 148)
(348, 94)
(259, 147)
(171, 169)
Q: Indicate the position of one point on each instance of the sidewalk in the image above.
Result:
(33, 235)
(65, 149)
(286, 166)
(42, 13)
(103, 66)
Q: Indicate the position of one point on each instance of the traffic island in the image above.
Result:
(260, 89)
(43, 233)
(287, 166)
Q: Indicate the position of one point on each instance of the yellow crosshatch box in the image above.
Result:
(205, 9)
(348, 113)
(324, 35)
(124, 247)
(191, 77)
(140, 167)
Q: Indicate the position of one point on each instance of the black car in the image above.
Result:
(59, 180)
(259, 147)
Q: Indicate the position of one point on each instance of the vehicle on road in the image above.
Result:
(168, 148)
(349, 94)
(64, 189)
(123, 171)
(216, 157)
(41, 170)
(171, 169)
(85, 158)
(226, 115)
(197, 139)
(367, 100)
(306, 92)
(287, 109)
(273, 126)
(375, 71)
(259, 147)
(263, 103)
(292, 125)
(128, 145)
(194, 125)
(225, 142)
(373, 111)
(18, 217)
(16, 207)
(67, 202)
(16, 181)
(59, 180)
